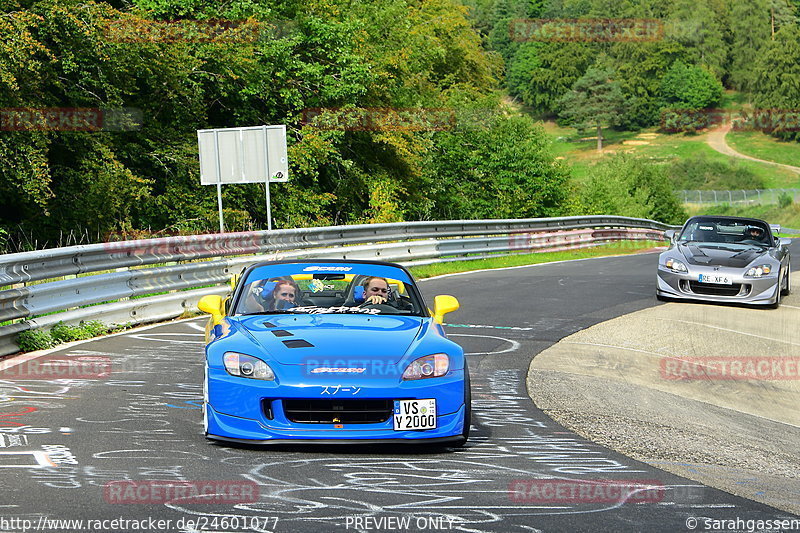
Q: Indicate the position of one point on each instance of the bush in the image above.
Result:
(698, 172)
(785, 200)
(633, 187)
(95, 328)
(64, 333)
(35, 339)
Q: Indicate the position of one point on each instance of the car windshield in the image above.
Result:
(726, 232)
(320, 288)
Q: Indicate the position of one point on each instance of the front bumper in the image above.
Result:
(242, 430)
(236, 409)
(758, 291)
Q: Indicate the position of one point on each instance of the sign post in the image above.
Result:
(255, 154)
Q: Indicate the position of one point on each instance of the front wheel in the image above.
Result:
(778, 291)
(786, 286)
(467, 410)
(205, 401)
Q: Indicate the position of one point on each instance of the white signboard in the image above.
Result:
(243, 155)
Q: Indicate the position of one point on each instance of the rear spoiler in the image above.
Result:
(776, 228)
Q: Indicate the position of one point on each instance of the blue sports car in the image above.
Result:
(332, 351)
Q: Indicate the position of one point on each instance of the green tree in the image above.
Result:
(690, 87)
(639, 68)
(775, 86)
(502, 168)
(697, 26)
(542, 72)
(751, 31)
(595, 100)
(781, 13)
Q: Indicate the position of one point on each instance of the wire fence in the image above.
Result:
(756, 196)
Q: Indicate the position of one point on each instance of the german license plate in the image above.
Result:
(414, 414)
(719, 280)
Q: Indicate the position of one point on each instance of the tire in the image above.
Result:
(778, 292)
(205, 400)
(467, 409)
(787, 285)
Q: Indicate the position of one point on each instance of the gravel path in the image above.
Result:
(716, 140)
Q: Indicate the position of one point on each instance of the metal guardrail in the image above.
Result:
(108, 282)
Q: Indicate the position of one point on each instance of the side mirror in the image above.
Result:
(670, 235)
(212, 304)
(442, 305)
(784, 242)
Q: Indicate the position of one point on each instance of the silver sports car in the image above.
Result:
(725, 259)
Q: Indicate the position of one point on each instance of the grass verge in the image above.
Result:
(617, 248)
(763, 146)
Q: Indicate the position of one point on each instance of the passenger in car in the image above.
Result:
(284, 296)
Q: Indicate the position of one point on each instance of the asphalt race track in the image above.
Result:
(66, 448)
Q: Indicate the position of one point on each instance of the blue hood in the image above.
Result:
(296, 338)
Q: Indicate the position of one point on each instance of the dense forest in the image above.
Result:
(752, 46)
(182, 65)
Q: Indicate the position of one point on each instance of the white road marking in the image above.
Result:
(514, 344)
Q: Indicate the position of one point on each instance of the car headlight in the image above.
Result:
(429, 366)
(247, 366)
(758, 271)
(675, 265)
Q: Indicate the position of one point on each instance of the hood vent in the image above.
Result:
(282, 333)
(298, 343)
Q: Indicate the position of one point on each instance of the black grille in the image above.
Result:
(712, 289)
(338, 411)
(266, 406)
